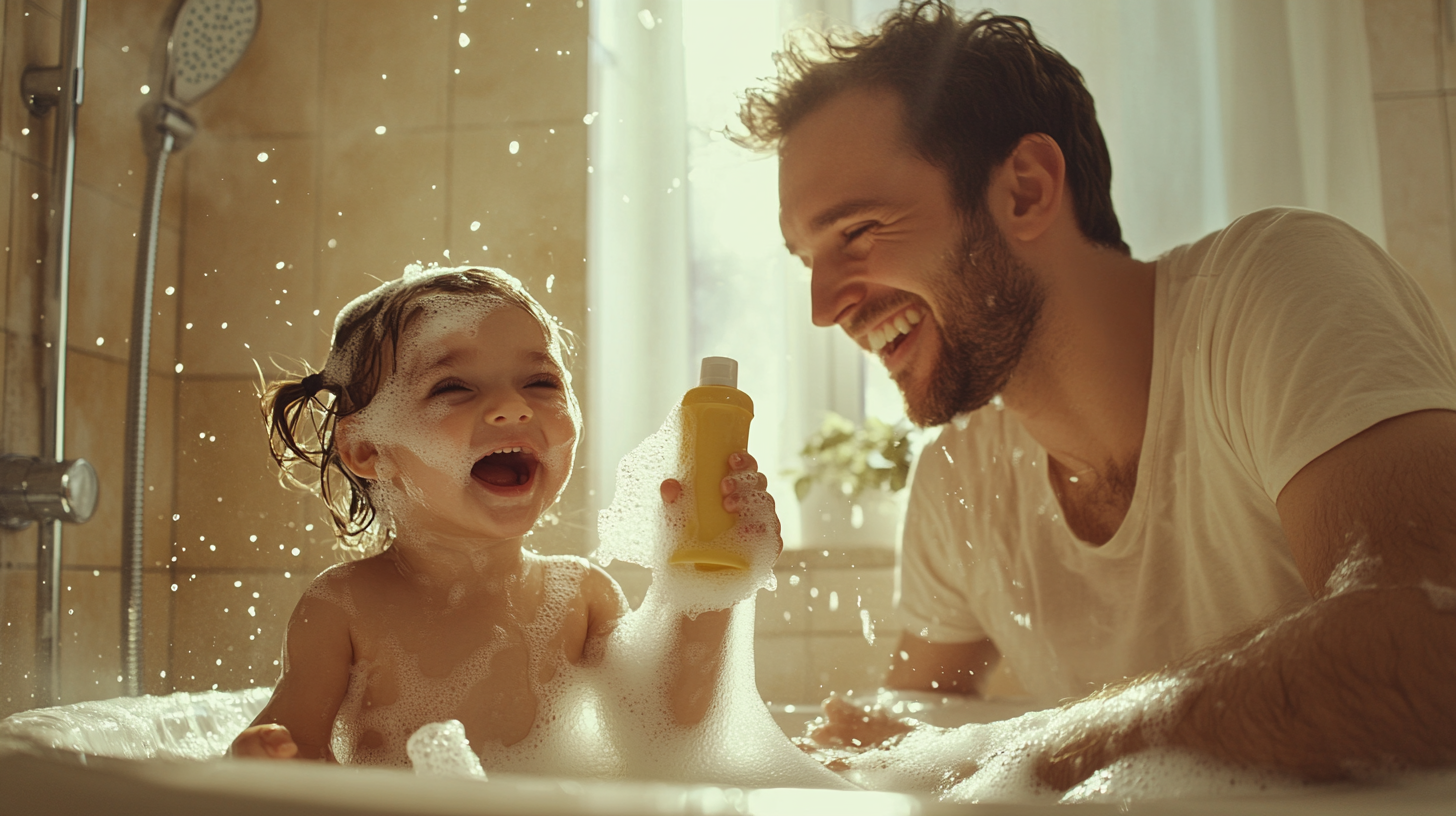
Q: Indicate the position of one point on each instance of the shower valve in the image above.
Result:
(35, 489)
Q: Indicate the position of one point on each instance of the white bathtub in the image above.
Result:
(154, 756)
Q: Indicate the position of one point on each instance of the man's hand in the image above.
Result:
(266, 741)
(846, 725)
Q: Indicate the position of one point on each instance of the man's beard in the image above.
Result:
(989, 307)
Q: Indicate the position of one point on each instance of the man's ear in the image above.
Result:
(1026, 191)
(360, 456)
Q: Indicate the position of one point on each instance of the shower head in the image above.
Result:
(208, 39)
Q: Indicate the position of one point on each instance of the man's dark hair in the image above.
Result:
(971, 88)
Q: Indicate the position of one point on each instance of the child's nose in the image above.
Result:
(510, 411)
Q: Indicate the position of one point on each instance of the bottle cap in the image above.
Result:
(719, 371)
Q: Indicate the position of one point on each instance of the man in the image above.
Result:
(1234, 466)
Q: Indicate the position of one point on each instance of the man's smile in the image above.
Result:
(890, 330)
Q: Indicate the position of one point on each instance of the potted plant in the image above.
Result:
(847, 488)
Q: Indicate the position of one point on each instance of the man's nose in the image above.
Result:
(833, 292)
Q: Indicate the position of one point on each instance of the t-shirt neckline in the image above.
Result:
(1129, 532)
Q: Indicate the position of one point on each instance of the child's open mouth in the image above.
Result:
(509, 470)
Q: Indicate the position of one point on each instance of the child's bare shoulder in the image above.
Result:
(342, 585)
(593, 585)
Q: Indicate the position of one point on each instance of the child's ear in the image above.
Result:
(360, 456)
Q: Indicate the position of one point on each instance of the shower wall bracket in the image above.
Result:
(36, 489)
(58, 88)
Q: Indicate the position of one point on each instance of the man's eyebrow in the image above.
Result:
(843, 209)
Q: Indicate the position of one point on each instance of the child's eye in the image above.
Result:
(446, 386)
(545, 381)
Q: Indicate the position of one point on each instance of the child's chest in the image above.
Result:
(485, 668)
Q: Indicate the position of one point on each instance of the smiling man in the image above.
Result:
(1234, 465)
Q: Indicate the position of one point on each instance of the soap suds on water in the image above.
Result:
(997, 761)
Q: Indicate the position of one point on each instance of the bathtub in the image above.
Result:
(160, 755)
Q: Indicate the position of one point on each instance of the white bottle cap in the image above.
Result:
(719, 371)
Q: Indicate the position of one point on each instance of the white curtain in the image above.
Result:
(1211, 108)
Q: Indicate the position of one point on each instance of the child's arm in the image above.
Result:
(299, 719)
(698, 656)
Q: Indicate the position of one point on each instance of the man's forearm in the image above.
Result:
(1355, 682)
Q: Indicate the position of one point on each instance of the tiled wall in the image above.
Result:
(1413, 75)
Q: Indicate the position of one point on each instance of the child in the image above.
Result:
(441, 428)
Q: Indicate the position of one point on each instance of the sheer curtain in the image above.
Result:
(1211, 108)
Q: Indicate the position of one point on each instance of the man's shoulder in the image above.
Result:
(1272, 236)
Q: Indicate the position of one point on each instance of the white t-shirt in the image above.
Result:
(1274, 340)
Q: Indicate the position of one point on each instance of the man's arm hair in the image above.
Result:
(1360, 680)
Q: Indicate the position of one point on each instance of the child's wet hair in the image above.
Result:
(302, 411)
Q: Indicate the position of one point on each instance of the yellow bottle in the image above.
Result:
(715, 423)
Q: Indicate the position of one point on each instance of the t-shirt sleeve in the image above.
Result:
(931, 592)
(1325, 335)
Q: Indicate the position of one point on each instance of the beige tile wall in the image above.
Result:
(1413, 75)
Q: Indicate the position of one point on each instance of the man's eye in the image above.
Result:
(856, 232)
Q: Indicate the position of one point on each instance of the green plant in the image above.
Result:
(850, 459)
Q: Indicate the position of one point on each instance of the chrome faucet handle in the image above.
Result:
(35, 489)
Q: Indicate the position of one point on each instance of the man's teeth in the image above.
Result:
(903, 322)
(504, 450)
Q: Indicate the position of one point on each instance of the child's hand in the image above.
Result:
(740, 487)
(267, 741)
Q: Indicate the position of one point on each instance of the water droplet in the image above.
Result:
(381, 129)
(262, 157)
(474, 225)
(514, 147)
(146, 89)
(464, 39)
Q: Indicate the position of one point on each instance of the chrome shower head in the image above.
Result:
(208, 39)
